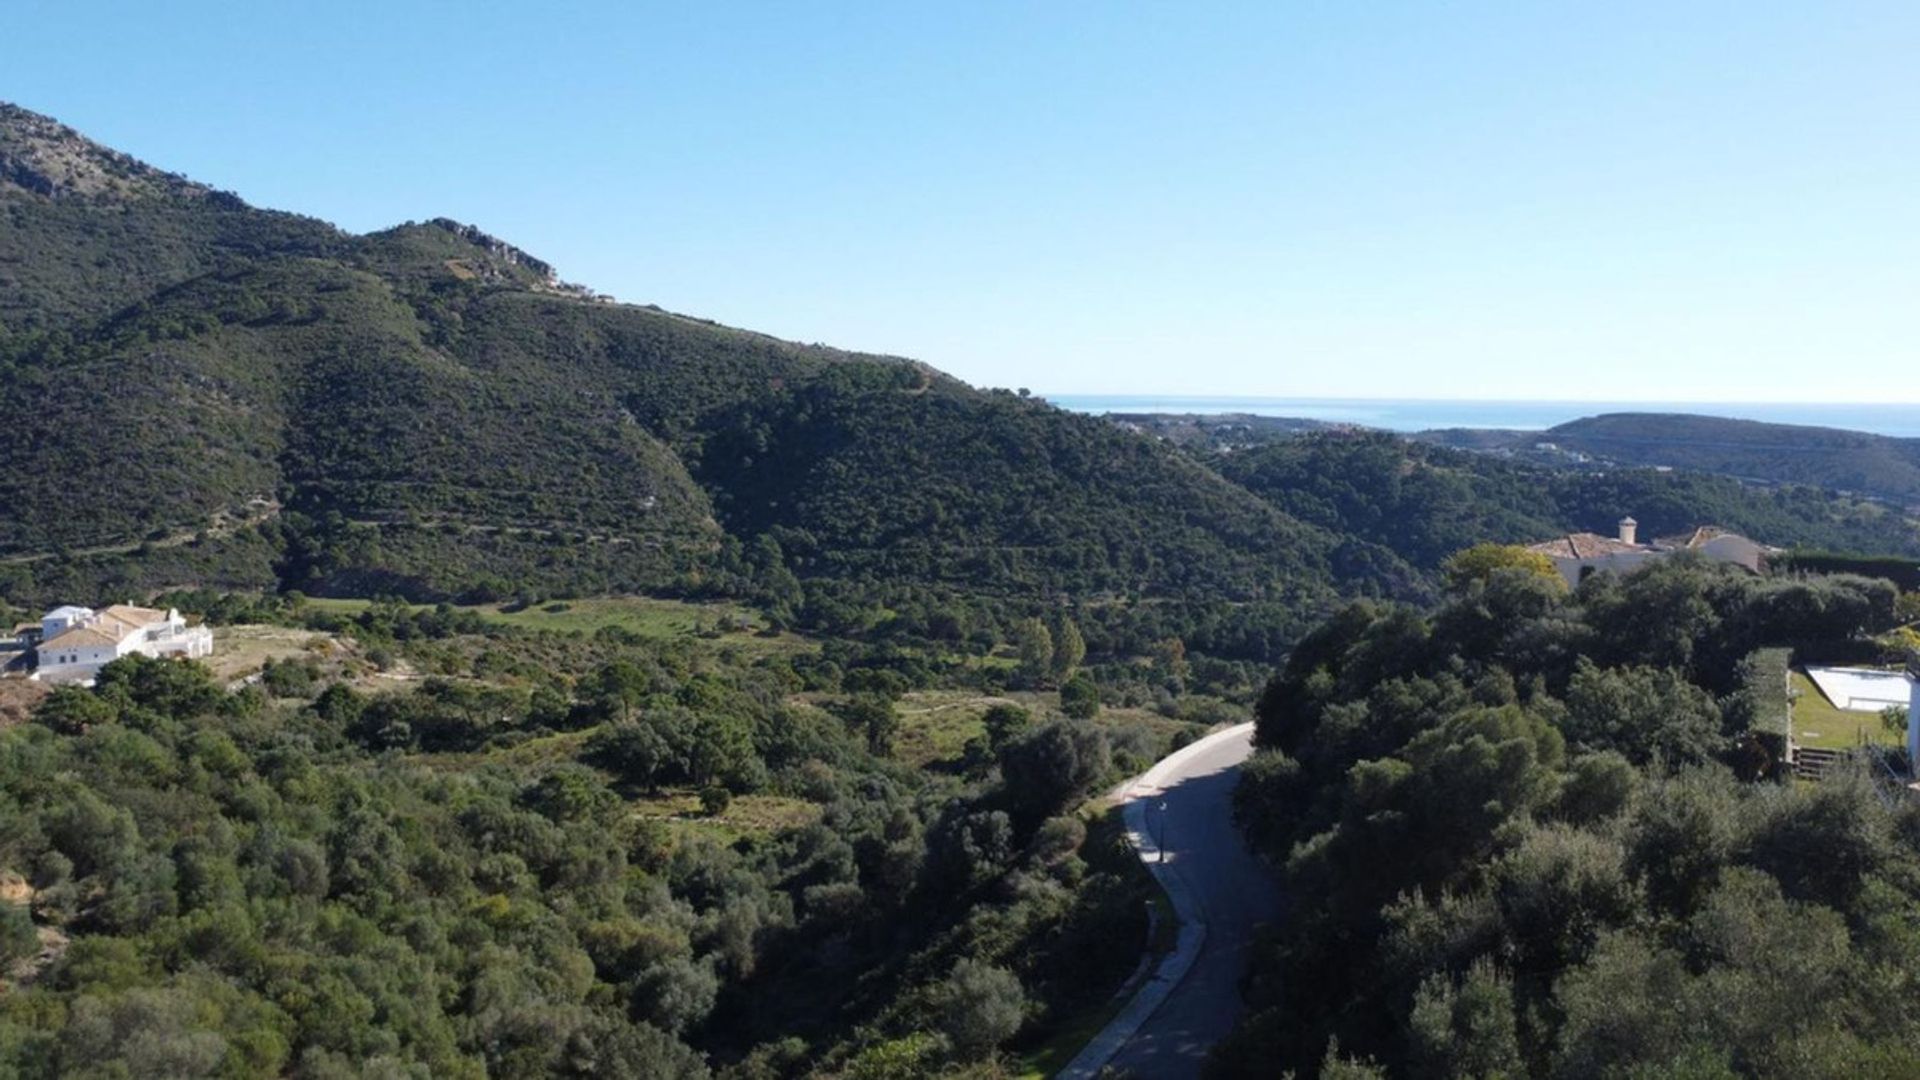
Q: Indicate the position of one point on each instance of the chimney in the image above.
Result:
(1629, 528)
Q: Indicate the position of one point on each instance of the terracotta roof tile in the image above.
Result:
(90, 634)
(134, 616)
(1585, 546)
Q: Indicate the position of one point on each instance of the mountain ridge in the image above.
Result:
(39, 154)
(1882, 466)
(432, 412)
(441, 417)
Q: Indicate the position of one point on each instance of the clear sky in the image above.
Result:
(1618, 201)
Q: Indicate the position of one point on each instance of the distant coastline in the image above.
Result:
(1901, 421)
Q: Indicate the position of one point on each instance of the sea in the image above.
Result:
(1396, 414)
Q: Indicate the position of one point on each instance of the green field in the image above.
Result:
(543, 750)
(644, 615)
(746, 815)
(1818, 724)
(935, 725)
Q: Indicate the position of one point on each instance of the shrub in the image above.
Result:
(978, 1007)
(1080, 698)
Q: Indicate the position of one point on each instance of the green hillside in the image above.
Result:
(1827, 457)
(207, 394)
(1830, 458)
(201, 393)
(1425, 502)
(88, 230)
(993, 491)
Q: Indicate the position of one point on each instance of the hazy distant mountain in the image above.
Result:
(1838, 460)
(1830, 458)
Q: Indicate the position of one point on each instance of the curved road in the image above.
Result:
(1182, 814)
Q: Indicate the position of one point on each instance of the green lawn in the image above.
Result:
(1817, 723)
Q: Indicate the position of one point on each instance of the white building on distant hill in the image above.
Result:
(1577, 555)
(76, 642)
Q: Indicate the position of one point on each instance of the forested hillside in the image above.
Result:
(995, 492)
(201, 393)
(1425, 502)
(1533, 833)
(1787, 453)
(90, 230)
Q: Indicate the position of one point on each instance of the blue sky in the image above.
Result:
(1624, 201)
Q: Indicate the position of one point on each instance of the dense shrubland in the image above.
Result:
(303, 875)
(1533, 833)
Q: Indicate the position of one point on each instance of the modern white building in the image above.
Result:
(1862, 689)
(76, 642)
(1875, 690)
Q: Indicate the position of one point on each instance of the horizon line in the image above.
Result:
(1229, 396)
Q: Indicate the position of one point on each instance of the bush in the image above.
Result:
(1052, 768)
(17, 937)
(979, 1007)
(1005, 723)
(1080, 698)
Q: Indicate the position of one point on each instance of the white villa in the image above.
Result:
(76, 642)
(1577, 555)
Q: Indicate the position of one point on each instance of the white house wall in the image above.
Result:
(1619, 563)
(80, 663)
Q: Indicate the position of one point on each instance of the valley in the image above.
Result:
(602, 691)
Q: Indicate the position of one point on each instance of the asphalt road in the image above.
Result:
(1191, 819)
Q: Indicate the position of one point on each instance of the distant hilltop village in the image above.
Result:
(1577, 555)
(70, 644)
